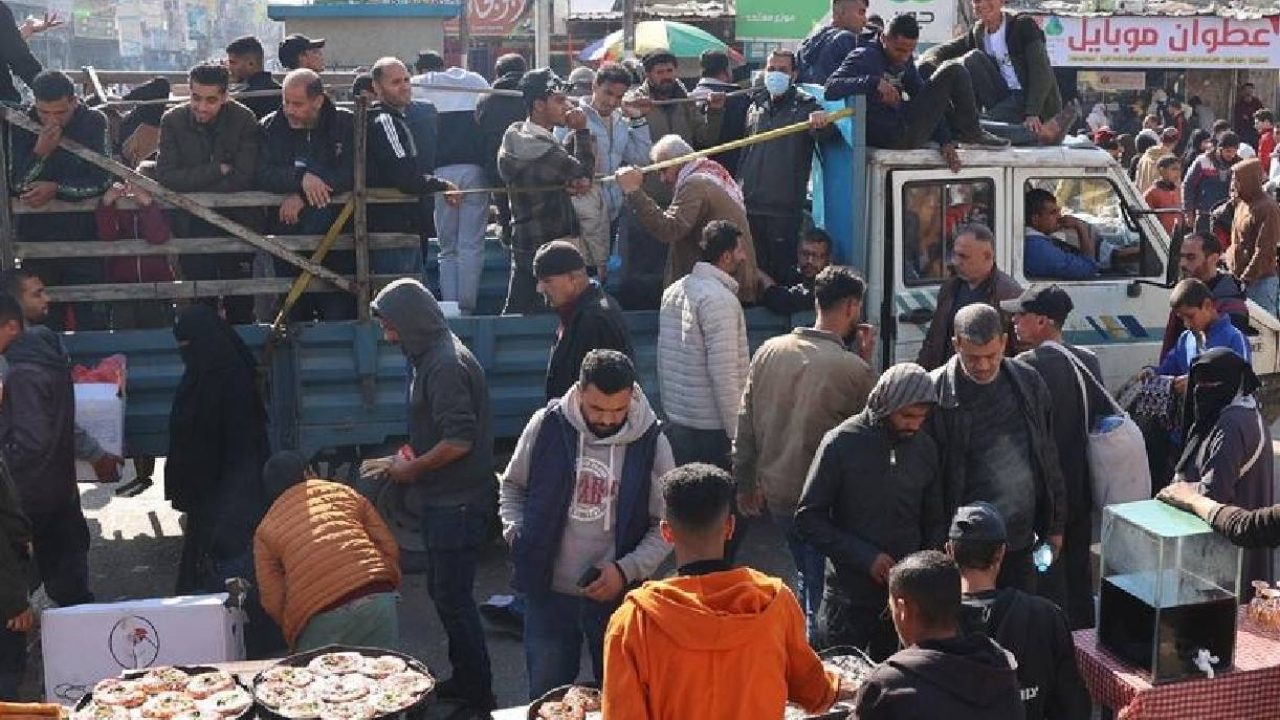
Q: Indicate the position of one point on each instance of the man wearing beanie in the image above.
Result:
(326, 564)
(531, 157)
(1255, 231)
(873, 497)
(1030, 627)
(589, 318)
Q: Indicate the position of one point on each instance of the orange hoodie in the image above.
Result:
(721, 646)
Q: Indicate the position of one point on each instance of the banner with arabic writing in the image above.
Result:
(1188, 42)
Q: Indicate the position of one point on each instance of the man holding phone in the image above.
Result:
(581, 506)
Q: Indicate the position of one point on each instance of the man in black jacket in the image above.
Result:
(1074, 379)
(775, 175)
(15, 54)
(941, 673)
(994, 424)
(244, 62)
(717, 78)
(793, 292)
(494, 114)
(872, 497)
(15, 538)
(41, 171)
(307, 154)
(589, 318)
(1030, 627)
(393, 154)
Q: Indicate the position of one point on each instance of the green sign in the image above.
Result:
(773, 20)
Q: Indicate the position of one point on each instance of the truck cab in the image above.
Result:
(894, 215)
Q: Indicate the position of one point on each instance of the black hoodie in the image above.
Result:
(37, 422)
(448, 397)
(960, 678)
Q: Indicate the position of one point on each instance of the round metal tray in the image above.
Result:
(190, 670)
(416, 711)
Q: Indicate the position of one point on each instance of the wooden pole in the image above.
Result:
(304, 280)
(7, 237)
(183, 203)
(361, 229)
(95, 83)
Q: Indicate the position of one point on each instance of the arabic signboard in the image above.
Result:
(772, 20)
(1206, 42)
(937, 18)
(490, 18)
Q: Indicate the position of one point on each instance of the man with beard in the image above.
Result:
(1198, 258)
(873, 497)
(801, 385)
(994, 424)
(793, 293)
(581, 503)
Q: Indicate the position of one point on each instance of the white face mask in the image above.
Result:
(777, 82)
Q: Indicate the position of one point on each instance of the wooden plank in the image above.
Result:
(250, 198)
(95, 83)
(198, 246)
(361, 224)
(7, 238)
(180, 77)
(176, 199)
(189, 289)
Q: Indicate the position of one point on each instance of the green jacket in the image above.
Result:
(1028, 54)
(15, 563)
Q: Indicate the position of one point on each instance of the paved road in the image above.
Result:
(136, 543)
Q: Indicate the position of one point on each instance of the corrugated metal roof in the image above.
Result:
(1239, 10)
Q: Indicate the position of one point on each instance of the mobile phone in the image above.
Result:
(591, 575)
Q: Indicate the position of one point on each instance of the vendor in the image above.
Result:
(1247, 528)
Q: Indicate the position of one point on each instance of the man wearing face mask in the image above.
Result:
(581, 504)
(775, 175)
(994, 423)
(873, 497)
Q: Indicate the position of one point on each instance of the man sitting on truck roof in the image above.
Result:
(904, 111)
(1043, 254)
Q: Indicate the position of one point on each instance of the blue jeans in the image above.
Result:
(811, 567)
(555, 626)
(369, 621)
(461, 231)
(1264, 291)
(453, 536)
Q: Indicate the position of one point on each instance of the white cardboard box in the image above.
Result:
(86, 643)
(100, 411)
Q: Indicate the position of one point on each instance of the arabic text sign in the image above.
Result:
(771, 20)
(1201, 42)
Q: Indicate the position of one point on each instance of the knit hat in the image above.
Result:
(900, 386)
(558, 257)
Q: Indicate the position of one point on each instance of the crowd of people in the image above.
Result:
(939, 514)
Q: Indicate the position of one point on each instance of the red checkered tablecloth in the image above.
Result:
(1249, 692)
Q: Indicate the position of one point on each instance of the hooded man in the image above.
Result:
(37, 439)
(940, 673)
(580, 506)
(531, 156)
(730, 639)
(1227, 450)
(873, 496)
(448, 466)
(1255, 232)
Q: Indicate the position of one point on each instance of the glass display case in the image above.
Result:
(1169, 591)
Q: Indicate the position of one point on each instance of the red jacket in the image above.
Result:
(1266, 147)
(146, 223)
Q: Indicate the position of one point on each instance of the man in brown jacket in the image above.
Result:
(327, 566)
(977, 279)
(1255, 231)
(704, 191)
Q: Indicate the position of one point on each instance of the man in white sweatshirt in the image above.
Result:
(581, 505)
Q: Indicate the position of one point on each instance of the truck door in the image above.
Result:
(1120, 319)
(927, 207)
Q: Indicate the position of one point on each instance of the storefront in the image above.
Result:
(1121, 60)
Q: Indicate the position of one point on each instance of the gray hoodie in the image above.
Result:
(448, 397)
(588, 535)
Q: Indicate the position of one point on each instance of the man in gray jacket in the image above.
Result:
(994, 425)
(873, 496)
(448, 466)
(580, 506)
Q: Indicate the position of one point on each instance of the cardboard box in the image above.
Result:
(86, 643)
(100, 411)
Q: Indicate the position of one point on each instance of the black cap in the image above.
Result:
(557, 257)
(541, 83)
(363, 82)
(293, 46)
(978, 522)
(1049, 300)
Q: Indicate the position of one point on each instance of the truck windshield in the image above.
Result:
(1091, 207)
(932, 213)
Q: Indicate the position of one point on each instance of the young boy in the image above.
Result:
(15, 544)
(1166, 192)
(1192, 301)
(716, 641)
(1030, 627)
(327, 565)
